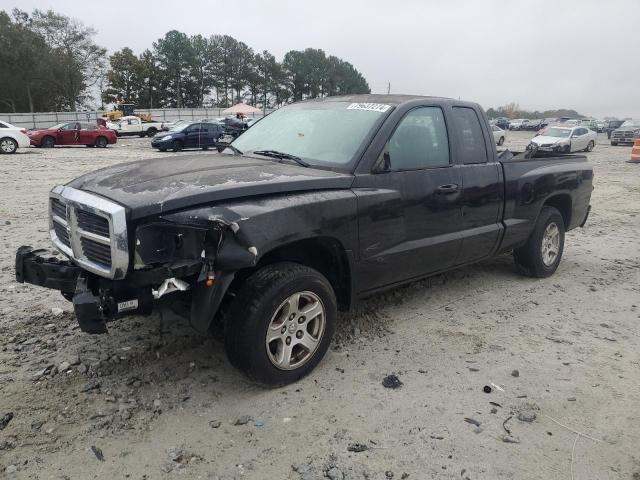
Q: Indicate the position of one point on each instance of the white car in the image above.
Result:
(499, 135)
(12, 138)
(518, 123)
(561, 139)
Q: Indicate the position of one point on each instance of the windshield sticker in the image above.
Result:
(372, 107)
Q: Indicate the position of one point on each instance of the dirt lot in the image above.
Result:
(154, 400)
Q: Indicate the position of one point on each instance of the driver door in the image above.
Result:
(409, 215)
(579, 139)
(67, 134)
(192, 136)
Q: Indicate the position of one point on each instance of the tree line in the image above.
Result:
(513, 110)
(51, 62)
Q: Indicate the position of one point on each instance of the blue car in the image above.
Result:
(189, 135)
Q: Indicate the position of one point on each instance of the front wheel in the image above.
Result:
(541, 255)
(176, 145)
(280, 324)
(8, 145)
(48, 142)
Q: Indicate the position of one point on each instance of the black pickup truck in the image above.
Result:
(319, 204)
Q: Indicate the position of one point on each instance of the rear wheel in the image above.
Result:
(280, 324)
(176, 145)
(542, 253)
(590, 146)
(48, 142)
(8, 145)
(101, 142)
(151, 132)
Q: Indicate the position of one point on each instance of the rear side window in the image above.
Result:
(420, 141)
(3, 125)
(472, 146)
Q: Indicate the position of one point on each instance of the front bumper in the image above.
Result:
(97, 300)
(628, 140)
(161, 143)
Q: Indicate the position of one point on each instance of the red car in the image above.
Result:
(73, 133)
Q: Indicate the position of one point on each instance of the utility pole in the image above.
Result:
(388, 88)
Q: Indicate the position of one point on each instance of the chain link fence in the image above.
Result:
(47, 119)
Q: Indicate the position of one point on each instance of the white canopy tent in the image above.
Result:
(241, 108)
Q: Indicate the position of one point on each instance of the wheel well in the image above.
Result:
(563, 204)
(324, 254)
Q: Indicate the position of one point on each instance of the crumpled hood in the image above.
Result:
(149, 187)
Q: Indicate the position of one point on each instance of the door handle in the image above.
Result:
(447, 189)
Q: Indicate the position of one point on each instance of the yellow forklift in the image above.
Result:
(126, 109)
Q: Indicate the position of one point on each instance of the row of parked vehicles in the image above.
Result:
(618, 131)
(175, 136)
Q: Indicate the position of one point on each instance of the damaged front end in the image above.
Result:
(173, 253)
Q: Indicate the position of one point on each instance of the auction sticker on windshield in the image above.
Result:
(372, 107)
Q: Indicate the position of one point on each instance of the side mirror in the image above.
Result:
(383, 164)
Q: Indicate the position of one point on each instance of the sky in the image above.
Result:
(541, 54)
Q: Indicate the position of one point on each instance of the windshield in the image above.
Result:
(631, 123)
(557, 132)
(322, 133)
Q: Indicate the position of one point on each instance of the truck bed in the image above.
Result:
(530, 179)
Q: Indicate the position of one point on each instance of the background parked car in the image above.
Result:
(590, 124)
(502, 122)
(611, 125)
(190, 135)
(499, 135)
(534, 125)
(73, 133)
(627, 132)
(133, 125)
(566, 139)
(517, 123)
(12, 138)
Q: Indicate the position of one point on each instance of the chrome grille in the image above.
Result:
(58, 208)
(92, 223)
(90, 230)
(96, 252)
(62, 234)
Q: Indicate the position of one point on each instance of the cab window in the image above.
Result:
(472, 146)
(419, 141)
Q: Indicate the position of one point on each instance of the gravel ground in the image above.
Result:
(154, 400)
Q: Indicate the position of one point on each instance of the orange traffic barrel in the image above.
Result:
(635, 152)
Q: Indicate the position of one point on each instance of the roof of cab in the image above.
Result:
(379, 98)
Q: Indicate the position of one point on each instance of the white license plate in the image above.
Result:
(128, 305)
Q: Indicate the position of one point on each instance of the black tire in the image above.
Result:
(220, 149)
(151, 132)
(89, 146)
(566, 149)
(501, 141)
(8, 145)
(101, 142)
(590, 146)
(162, 149)
(614, 144)
(176, 145)
(257, 301)
(48, 142)
(529, 258)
